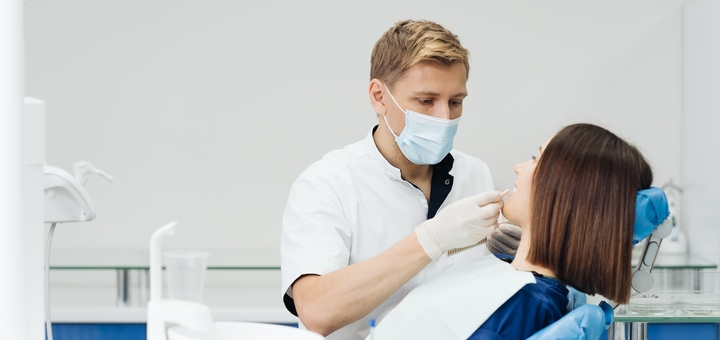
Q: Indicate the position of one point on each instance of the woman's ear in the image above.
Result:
(377, 94)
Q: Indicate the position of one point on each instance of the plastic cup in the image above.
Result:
(186, 274)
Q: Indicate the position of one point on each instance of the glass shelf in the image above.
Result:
(680, 261)
(123, 261)
(671, 307)
(140, 259)
(667, 319)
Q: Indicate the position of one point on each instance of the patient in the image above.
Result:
(575, 201)
(576, 204)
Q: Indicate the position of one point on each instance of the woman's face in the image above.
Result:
(517, 207)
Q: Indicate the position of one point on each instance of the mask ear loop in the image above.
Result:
(389, 128)
(385, 116)
(393, 98)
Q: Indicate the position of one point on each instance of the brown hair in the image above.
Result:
(410, 42)
(583, 209)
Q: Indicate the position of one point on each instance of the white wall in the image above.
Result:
(206, 111)
(701, 124)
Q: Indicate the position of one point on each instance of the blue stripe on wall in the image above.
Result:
(85, 331)
(97, 331)
(674, 331)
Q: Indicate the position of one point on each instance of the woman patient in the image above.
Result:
(575, 201)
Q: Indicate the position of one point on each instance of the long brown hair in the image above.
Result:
(583, 209)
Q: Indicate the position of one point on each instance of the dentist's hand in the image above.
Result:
(505, 239)
(460, 224)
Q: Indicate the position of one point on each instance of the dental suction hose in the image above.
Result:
(48, 324)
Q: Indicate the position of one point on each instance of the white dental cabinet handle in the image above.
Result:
(82, 169)
(66, 200)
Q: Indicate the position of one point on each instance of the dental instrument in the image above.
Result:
(642, 279)
(651, 222)
(66, 200)
(454, 251)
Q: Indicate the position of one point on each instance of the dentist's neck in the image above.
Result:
(521, 263)
(389, 149)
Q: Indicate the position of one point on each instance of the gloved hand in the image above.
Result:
(586, 322)
(460, 224)
(651, 209)
(505, 239)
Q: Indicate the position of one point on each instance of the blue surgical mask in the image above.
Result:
(425, 139)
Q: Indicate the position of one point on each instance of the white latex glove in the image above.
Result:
(505, 239)
(460, 224)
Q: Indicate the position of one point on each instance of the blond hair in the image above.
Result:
(410, 42)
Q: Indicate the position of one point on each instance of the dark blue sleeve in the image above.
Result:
(531, 309)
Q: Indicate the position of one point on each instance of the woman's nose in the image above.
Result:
(520, 166)
(516, 168)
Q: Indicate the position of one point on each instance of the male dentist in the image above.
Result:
(368, 223)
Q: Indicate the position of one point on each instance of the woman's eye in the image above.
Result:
(426, 101)
(534, 158)
(455, 103)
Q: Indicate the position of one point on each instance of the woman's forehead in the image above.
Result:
(542, 147)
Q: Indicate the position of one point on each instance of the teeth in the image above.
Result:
(514, 190)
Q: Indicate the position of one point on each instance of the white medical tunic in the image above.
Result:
(352, 205)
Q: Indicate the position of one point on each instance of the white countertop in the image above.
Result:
(139, 315)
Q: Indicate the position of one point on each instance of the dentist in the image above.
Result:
(368, 223)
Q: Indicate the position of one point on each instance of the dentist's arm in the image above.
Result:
(326, 303)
